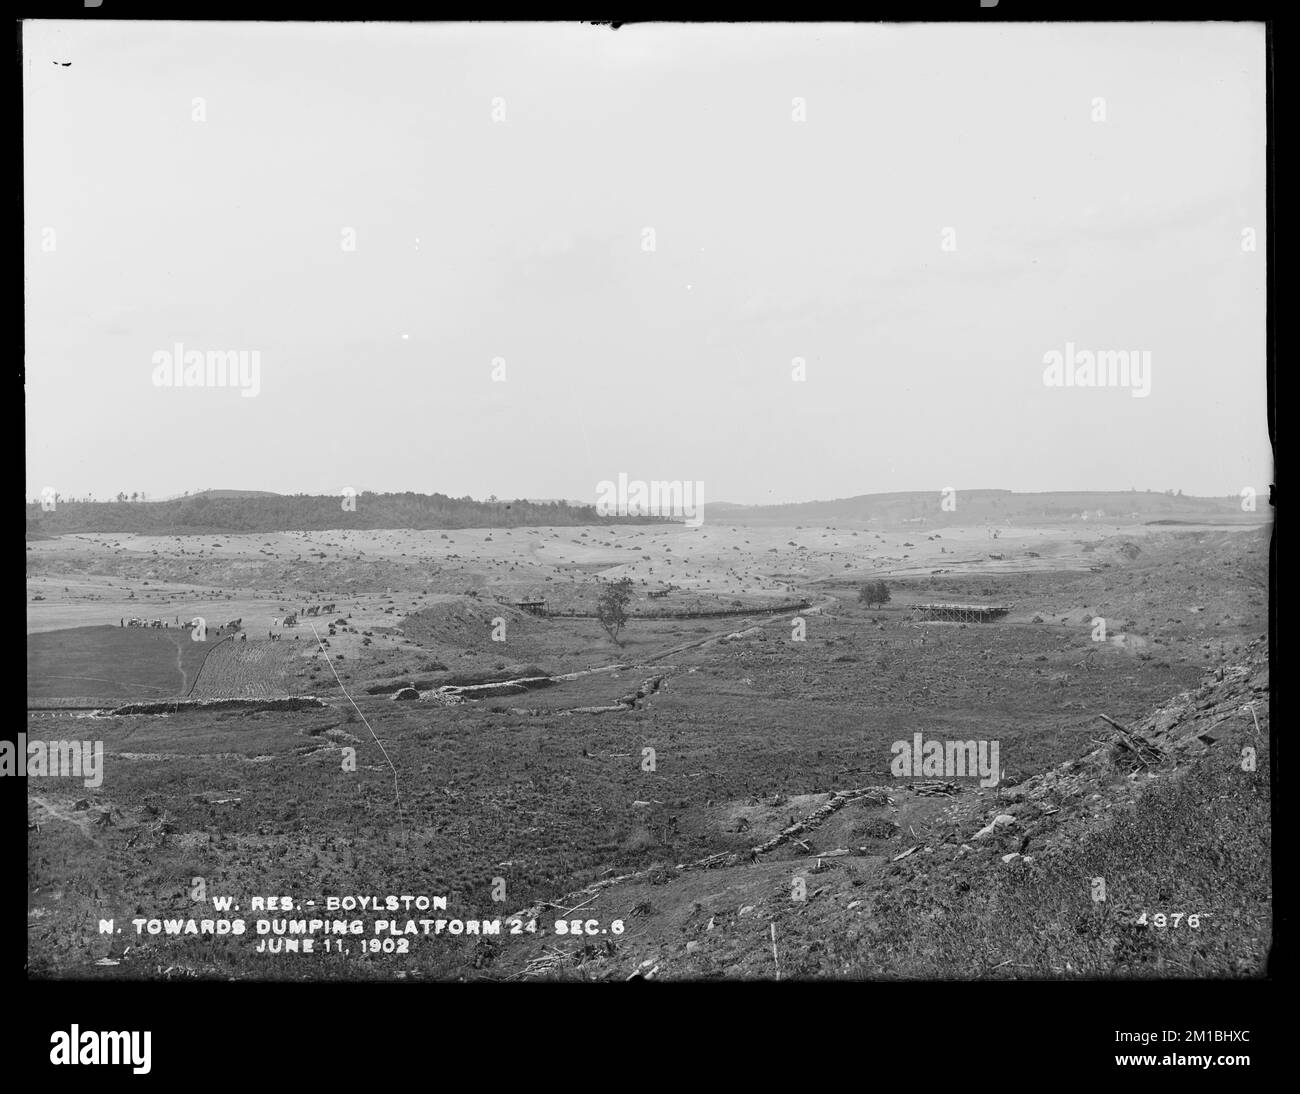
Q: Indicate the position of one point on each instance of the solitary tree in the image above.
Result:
(874, 592)
(611, 607)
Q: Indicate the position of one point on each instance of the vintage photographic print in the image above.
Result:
(557, 502)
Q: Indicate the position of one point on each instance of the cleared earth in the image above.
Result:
(506, 798)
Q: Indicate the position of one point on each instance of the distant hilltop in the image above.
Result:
(958, 507)
(232, 511)
(226, 494)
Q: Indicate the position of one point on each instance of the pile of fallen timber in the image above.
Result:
(875, 794)
(837, 801)
(930, 790)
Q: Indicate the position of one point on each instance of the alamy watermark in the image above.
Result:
(1104, 368)
(78, 1046)
(919, 758)
(55, 759)
(658, 499)
(179, 367)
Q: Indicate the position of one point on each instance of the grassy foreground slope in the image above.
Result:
(1098, 874)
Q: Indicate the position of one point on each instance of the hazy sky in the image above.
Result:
(220, 224)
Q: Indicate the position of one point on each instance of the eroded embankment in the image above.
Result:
(703, 613)
(176, 706)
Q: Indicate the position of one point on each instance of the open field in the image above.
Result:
(546, 787)
(113, 662)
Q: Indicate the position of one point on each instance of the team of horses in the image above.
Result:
(236, 626)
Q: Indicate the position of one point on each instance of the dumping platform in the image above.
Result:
(958, 613)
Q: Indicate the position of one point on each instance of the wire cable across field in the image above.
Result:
(397, 795)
